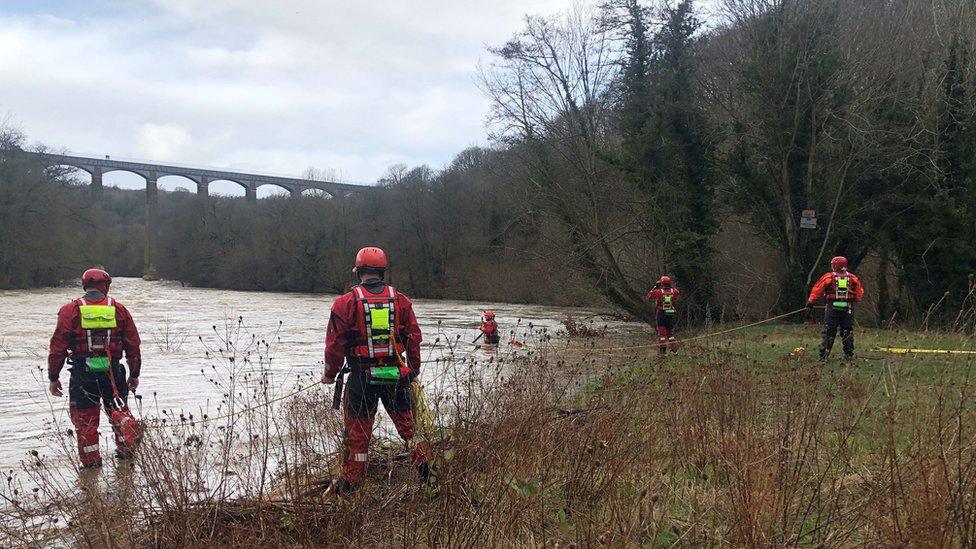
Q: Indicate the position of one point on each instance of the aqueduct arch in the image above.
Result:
(97, 167)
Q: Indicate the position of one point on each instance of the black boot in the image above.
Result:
(426, 475)
(341, 487)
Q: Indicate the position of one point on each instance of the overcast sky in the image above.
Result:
(270, 86)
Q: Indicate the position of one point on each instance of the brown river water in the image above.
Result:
(172, 320)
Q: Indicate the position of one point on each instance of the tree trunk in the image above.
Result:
(884, 298)
(794, 286)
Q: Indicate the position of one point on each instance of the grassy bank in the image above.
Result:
(741, 440)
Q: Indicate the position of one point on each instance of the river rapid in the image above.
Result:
(177, 326)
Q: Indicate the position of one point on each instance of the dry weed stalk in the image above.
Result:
(703, 449)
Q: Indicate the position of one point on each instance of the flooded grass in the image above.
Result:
(740, 441)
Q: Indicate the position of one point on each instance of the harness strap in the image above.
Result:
(108, 334)
(391, 340)
(839, 280)
(667, 300)
(87, 332)
(368, 321)
(119, 403)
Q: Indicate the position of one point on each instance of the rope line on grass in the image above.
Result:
(208, 419)
(911, 351)
(695, 338)
(297, 392)
(453, 358)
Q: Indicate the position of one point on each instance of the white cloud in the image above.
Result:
(249, 84)
(163, 142)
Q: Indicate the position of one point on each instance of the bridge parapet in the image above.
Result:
(201, 176)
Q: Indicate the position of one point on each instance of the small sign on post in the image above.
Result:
(808, 219)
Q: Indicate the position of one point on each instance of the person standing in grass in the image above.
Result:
(92, 333)
(665, 296)
(370, 328)
(841, 289)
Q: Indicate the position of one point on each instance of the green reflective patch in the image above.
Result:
(840, 304)
(384, 375)
(97, 363)
(98, 317)
(379, 320)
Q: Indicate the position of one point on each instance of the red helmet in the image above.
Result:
(839, 262)
(665, 280)
(489, 315)
(95, 278)
(371, 257)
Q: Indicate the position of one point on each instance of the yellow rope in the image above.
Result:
(265, 404)
(236, 412)
(736, 329)
(205, 420)
(424, 416)
(909, 351)
(703, 336)
(424, 413)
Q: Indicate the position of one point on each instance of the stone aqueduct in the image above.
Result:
(151, 172)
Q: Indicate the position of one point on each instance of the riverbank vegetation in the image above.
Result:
(742, 440)
(630, 139)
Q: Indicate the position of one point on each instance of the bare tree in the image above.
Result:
(548, 87)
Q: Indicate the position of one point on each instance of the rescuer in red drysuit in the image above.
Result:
(370, 327)
(92, 334)
(490, 328)
(665, 296)
(841, 289)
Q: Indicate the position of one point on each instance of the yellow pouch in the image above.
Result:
(379, 320)
(98, 317)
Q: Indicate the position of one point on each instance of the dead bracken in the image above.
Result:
(571, 445)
